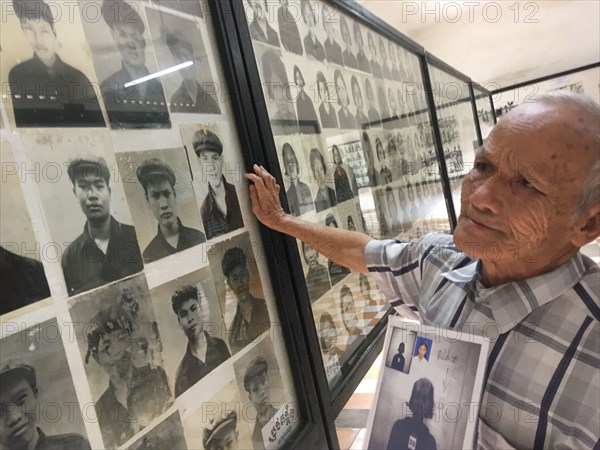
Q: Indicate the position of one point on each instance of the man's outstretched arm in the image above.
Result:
(344, 247)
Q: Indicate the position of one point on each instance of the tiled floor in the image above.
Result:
(351, 424)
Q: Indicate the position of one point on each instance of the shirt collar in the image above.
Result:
(511, 302)
(115, 230)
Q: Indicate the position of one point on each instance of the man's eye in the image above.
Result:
(528, 185)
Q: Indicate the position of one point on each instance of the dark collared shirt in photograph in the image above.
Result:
(182, 102)
(63, 97)
(333, 51)
(242, 332)
(22, 281)
(306, 110)
(328, 118)
(385, 175)
(317, 282)
(314, 48)
(68, 441)
(362, 121)
(123, 103)
(216, 222)
(148, 397)
(300, 199)
(373, 177)
(362, 61)
(159, 247)
(346, 119)
(376, 69)
(396, 74)
(325, 199)
(191, 369)
(288, 31)
(257, 437)
(85, 266)
(350, 60)
(386, 71)
(258, 34)
(374, 117)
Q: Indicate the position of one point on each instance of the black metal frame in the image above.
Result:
(313, 434)
(484, 91)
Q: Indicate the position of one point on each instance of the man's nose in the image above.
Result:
(486, 195)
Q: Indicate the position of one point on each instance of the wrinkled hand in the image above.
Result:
(264, 194)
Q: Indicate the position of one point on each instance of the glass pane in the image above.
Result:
(484, 112)
(135, 292)
(354, 145)
(457, 127)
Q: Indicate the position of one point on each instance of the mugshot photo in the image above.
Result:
(48, 66)
(316, 274)
(120, 345)
(159, 190)
(178, 42)
(192, 329)
(239, 287)
(123, 55)
(222, 420)
(22, 276)
(167, 434)
(424, 379)
(215, 175)
(321, 172)
(259, 383)
(261, 21)
(39, 404)
(85, 207)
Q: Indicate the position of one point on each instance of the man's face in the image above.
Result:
(192, 316)
(323, 91)
(113, 352)
(93, 195)
(348, 309)
(259, 390)
(518, 201)
(311, 255)
(318, 170)
(227, 442)
(163, 203)
(130, 42)
(422, 351)
(42, 39)
(182, 55)
(212, 166)
(238, 280)
(290, 164)
(17, 414)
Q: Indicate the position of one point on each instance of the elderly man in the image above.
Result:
(158, 180)
(512, 271)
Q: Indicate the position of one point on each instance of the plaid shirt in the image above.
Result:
(542, 387)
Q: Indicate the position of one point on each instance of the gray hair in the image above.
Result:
(590, 189)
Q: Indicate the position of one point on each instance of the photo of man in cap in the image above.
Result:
(158, 180)
(257, 385)
(18, 414)
(106, 250)
(190, 97)
(135, 395)
(251, 317)
(204, 353)
(220, 209)
(46, 91)
(131, 104)
(223, 434)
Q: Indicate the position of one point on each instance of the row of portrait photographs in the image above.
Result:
(296, 89)
(133, 402)
(106, 61)
(98, 244)
(320, 32)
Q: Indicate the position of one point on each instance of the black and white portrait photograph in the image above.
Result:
(348, 54)
(330, 350)
(296, 174)
(120, 345)
(344, 178)
(316, 274)
(428, 406)
(40, 409)
(260, 384)
(167, 434)
(304, 99)
(240, 291)
(326, 100)
(210, 154)
(346, 119)
(373, 52)
(191, 7)
(48, 66)
(313, 47)
(336, 271)
(85, 207)
(178, 43)
(360, 105)
(261, 22)
(371, 105)
(288, 16)
(322, 176)
(126, 65)
(159, 189)
(220, 421)
(192, 329)
(362, 61)
(331, 18)
(279, 96)
(22, 277)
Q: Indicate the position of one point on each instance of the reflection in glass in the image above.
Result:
(325, 195)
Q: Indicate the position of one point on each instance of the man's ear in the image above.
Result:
(587, 227)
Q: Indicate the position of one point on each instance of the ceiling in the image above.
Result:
(498, 43)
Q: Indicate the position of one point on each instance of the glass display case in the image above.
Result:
(485, 110)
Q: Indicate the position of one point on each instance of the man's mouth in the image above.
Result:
(480, 224)
(20, 430)
(166, 215)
